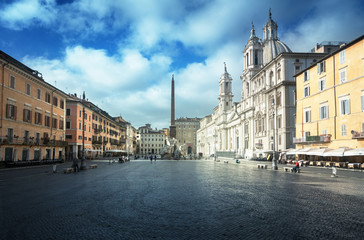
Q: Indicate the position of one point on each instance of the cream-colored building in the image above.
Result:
(330, 105)
(150, 141)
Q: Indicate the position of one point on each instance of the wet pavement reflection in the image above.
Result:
(179, 200)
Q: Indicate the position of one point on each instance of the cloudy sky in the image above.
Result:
(123, 52)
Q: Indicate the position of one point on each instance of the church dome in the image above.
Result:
(272, 48)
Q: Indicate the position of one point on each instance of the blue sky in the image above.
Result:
(124, 52)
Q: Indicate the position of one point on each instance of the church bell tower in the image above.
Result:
(225, 91)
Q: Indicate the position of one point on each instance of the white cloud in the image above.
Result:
(23, 13)
(151, 36)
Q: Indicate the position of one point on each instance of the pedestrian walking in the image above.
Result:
(296, 167)
(151, 158)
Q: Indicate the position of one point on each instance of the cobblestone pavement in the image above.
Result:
(180, 200)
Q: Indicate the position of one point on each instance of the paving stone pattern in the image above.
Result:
(180, 200)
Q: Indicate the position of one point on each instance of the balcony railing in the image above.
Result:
(357, 135)
(312, 139)
(259, 145)
(95, 142)
(31, 141)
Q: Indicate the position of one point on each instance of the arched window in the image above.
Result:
(279, 75)
(271, 79)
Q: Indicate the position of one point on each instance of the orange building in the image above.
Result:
(74, 129)
(103, 134)
(32, 114)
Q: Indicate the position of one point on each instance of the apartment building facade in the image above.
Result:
(150, 141)
(186, 134)
(330, 104)
(100, 134)
(32, 114)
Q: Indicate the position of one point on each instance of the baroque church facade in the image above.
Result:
(264, 119)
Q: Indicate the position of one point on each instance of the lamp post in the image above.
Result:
(274, 161)
(215, 135)
(83, 162)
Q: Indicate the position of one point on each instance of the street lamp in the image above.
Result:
(83, 162)
(274, 161)
(215, 135)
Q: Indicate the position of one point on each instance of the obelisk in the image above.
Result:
(172, 128)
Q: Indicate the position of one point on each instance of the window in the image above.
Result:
(324, 112)
(306, 76)
(279, 97)
(11, 111)
(343, 130)
(61, 103)
(321, 67)
(68, 112)
(279, 121)
(342, 56)
(27, 114)
(321, 85)
(271, 79)
(68, 136)
(79, 125)
(27, 88)
(345, 106)
(342, 75)
(297, 69)
(54, 123)
(26, 136)
(80, 113)
(307, 115)
(306, 91)
(362, 101)
(39, 93)
(47, 97)
(61, 123)
(279, 74)
(55, 101)
(68, 125)
(12, 82)
(256, 57)
(38, 118)
(47, 120)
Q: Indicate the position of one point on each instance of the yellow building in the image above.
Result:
(32, 115)
(330, 106)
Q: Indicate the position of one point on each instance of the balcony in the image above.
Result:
(357, 135)
(95, 142)
(31, 141)
(312, 139)
(258, 145)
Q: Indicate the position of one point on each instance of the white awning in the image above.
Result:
(336, 153)
(115, 150)
(291, 152)
(318, 151)
(354, 152)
